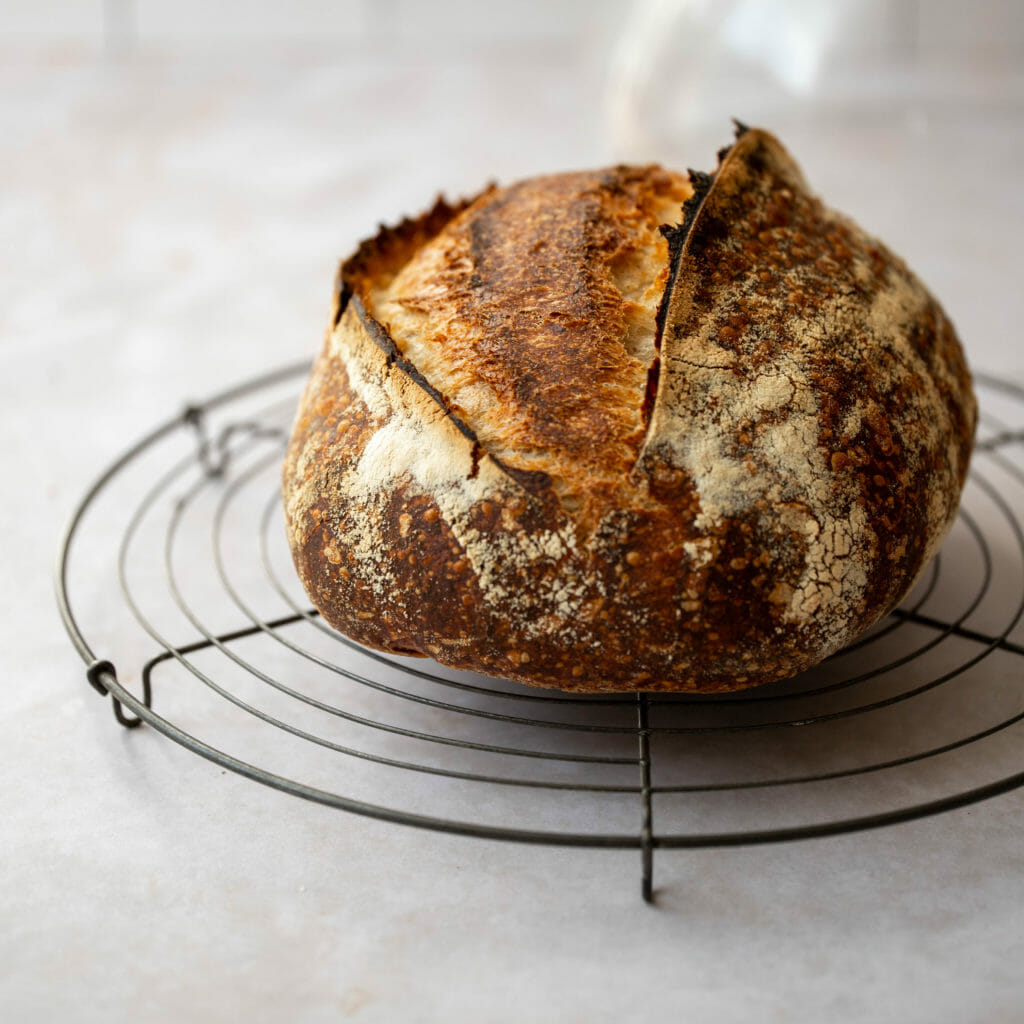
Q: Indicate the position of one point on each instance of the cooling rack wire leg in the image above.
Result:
(192, 415)
(177, 652)
(646, 832)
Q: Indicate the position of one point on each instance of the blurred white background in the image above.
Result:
(178, 179)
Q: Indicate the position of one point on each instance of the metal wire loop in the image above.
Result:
(101, 675)
(95, 673)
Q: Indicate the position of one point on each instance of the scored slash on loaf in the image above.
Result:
(627, 429)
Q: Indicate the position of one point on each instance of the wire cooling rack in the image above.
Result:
(199, 627)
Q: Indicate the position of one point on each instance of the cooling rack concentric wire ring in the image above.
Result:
(882, 732)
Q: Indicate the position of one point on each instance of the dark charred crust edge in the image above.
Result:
(392, 240)
(392, 246)
(342, 294)
(676, 236)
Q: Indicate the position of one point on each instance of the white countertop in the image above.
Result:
(171, 226)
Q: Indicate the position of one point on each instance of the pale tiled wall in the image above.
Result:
(930, 28)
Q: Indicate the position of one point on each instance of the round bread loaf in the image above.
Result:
(627, 430)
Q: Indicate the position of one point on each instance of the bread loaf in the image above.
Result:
(627, 430)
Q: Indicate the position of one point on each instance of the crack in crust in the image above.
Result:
(545, 442)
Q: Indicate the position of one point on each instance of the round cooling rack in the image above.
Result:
(199, 627)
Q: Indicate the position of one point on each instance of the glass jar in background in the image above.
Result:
(860, 73)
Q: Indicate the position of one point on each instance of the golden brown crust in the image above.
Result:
(794, 464)
(525, 312)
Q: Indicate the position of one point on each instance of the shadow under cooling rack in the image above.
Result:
(200, 629)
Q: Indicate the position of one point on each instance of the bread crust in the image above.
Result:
(726, 512)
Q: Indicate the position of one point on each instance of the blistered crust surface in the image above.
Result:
(796, 465)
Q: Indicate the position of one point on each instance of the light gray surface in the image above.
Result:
(171, 226)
